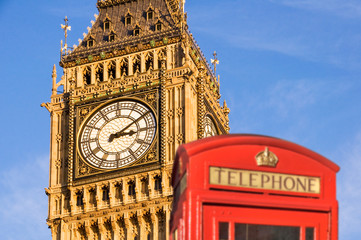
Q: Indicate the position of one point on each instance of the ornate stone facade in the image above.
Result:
(140, 50)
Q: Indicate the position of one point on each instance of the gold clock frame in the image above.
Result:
(93, 111)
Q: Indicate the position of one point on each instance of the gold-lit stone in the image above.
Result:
(86, 202)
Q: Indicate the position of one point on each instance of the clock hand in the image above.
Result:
(121, 132)
(130, 133)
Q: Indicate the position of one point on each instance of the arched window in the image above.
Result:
(118, 191)
(149, 62)
(131, 188)
(136, 31)
(161, 54)
(111, 37)
(158, 183)
(92, 198)
(124, 67)
(144, 188)
(107, 24)
(79, 198)
(158, 26)
(128, 19)
(91, 41)
(111, 70)
(87, 76)
(150, 13)
(136, 64)
(99, 73)
(105, 190)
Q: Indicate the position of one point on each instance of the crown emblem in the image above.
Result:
(266, 158)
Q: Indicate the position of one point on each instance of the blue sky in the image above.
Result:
(289, 69)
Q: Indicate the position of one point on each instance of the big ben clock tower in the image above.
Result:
(135, 88)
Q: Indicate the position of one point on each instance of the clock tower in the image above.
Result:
(135, 88)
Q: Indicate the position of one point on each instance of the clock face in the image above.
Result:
(117, 134)
(209, 127)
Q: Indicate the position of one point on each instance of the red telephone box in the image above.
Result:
(249, 187)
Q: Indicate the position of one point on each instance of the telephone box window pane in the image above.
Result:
(223, 230)
(310, 232)
(265, 232)
(240, 231)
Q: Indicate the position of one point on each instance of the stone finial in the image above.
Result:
(215, 62)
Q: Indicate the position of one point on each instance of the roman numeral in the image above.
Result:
(141, 141)
(93, 127)
(132, 153)
(132, 109)
(100, 164)
(145, 128)
(96, 150)
(104, 116)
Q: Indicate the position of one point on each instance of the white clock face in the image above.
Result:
(209, 127)
(117, 134)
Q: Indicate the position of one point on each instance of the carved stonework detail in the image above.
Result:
(180, 138)
(151, 98)
(136, 79)
(84, 112)
(122, 227)
(170, 113)
(82, 231)
(97, 87)
(170, 140)
(54, 228)
(83, 169)
(134, 221)
(95, 228)
(161, 220)
(71, 137)
(83, 90)
(147, 216)
(59, 137)
(180, 112)
(108, 228)
(150, 157)
(58, 163)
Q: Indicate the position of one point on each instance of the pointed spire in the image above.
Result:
(54, 71)
(183, 3)
(226, 110)
(54, 80)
